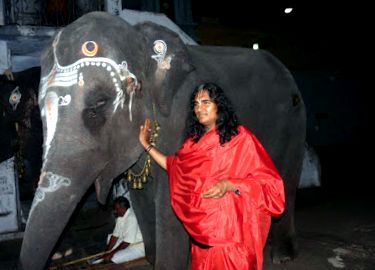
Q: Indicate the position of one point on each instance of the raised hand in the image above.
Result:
(144, 133)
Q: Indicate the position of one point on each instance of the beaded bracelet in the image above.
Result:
(149, 148)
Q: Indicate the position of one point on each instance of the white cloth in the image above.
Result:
(127, 230)
(132, 252)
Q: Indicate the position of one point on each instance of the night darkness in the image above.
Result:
(325, 44)
(322, 34)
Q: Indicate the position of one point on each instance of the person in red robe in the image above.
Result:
(224, 187)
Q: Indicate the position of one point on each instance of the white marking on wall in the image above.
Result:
(8, 197)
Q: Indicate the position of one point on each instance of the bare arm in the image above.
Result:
(111, 243)
(219, 189)
(107, 257)
(144, 136)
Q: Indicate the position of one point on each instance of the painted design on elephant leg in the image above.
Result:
(49, 182)
(160, 48)
(15, 98)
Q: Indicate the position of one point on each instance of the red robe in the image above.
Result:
(230, 232)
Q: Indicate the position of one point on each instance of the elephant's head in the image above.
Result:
(100, 77)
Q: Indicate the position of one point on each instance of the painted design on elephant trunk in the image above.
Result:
(64, 101)
(66, 76)
(51, 112)
(49, 182)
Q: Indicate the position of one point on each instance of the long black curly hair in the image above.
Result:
(226, 122)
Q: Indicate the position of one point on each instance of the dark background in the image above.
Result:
(326, 45)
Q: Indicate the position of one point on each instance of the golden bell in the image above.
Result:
(139, 185)
(134, 186)
(144, 179)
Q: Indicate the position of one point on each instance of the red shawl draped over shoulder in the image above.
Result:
(232, 219)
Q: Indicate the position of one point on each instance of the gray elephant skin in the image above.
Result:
(101, 77)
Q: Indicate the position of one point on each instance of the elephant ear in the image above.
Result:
(169, 64)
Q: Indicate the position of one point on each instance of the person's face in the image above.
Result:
(118, 211)
(205, 110)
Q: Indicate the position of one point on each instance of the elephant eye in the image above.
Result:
(100, 103)
(93, 119)
(94, 115)
(98, 107)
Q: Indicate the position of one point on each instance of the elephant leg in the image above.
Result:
(283, 239)
(172, 242)
(144, 208)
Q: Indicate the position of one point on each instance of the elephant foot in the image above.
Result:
(279, 259)
(284, 253)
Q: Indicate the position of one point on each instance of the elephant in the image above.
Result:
(100, 78)
(21, 126)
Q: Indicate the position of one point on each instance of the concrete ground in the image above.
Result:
(334, 232)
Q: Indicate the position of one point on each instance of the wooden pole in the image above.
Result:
(79, 260)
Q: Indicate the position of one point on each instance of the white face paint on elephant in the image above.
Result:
(51, 112)
(66, 76)
(164, 63)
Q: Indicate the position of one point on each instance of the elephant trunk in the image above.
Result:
(54, 202)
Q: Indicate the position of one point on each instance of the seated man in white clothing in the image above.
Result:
(126, 242)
